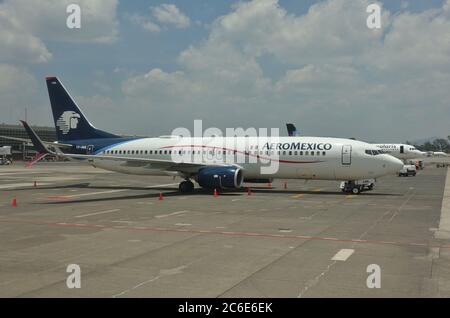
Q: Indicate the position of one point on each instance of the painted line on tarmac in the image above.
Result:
(171, 214)
(225, 233)
(97, 213)
(162, 185)
(67, 197)
(343, 255)
(20, 185)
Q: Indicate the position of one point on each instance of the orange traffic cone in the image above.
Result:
(14, 202)
(161, 197)
(216, 194)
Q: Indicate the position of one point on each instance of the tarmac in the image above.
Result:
(299, 239)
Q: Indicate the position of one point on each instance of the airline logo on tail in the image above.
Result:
(68, 121)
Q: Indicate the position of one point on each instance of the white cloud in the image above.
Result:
(46, 19)
(17, 43)
(164, 14)
(338, 73)
(17, 88)
(170, 14)
(144, 23)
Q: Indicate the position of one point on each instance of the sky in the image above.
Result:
(148, 67)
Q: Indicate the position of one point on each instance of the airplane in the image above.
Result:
(292, 130)
(211, 162)
(436, 154)
(400, 151)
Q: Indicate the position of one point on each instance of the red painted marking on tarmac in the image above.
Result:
(224, 233)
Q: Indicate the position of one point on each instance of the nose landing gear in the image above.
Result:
(186, 186)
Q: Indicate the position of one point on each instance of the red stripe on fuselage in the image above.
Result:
(241, 152)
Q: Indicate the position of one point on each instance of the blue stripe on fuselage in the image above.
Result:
(99, 145)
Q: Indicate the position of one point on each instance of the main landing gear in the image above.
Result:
(186, 186)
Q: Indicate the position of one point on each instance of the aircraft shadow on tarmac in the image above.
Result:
(173, 192)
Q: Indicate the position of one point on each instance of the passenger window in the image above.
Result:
(312, 153)
(301, 153)
(284, 153)
(323, 153)
(306, 153)
(290, 153)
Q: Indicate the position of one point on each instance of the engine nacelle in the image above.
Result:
(220, 177)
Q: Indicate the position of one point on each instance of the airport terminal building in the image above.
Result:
(19, 149)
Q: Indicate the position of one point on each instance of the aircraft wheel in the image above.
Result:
(356, 190)
(186, 186)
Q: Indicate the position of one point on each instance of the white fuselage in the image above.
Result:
(287, 157)
(401, 151)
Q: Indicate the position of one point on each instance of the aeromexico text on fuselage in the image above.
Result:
(81, 146)
(297, 146)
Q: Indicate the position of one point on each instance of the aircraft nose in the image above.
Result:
(393, 165)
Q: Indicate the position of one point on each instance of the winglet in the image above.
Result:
(37, 142)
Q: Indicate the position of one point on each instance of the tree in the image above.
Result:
(441, 144)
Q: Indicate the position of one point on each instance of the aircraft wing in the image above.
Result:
(157, 163)
(44, 142)
(16, 139)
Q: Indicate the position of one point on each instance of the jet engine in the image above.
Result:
(220, 177)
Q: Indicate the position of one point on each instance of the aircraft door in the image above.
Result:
(90, 149)
(402, 149)
(346, 155)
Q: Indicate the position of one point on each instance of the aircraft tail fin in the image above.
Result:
(70, 122)
(292, 131)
